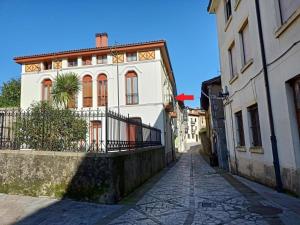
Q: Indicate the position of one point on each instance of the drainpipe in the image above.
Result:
(269, 103)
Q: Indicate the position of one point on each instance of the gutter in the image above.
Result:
(274, 146)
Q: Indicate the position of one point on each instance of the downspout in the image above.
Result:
(269, 103)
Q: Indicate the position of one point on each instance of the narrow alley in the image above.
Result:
(192, 192)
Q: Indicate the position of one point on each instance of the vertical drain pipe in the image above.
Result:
(269, 103)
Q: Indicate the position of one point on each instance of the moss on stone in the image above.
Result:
(61, 190)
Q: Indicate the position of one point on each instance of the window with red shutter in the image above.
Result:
(102, 90)
(87, 91)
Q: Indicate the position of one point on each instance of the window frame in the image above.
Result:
(47, 65)
(295, 84)
(86, 59)
(96, 132)
(256, 139)
(130, 75)
(240, 133)
(70, 62)
(103, 59)
(87, 80)
(129, 56)
(47, 83)
(102, 98)
(285, 20)
(231, 58)
(228, 10)
(245, 62)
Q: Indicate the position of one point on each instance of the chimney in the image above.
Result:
(101, 40)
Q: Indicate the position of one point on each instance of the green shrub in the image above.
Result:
(44, 127)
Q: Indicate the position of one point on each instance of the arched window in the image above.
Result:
(102, 90)
(132, 96)
(87, 91)
(46, 89)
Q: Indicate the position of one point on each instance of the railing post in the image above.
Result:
(106, 128)
(2, 128)
(128, 132)
(150, 135)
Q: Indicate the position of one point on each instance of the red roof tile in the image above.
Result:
(89, 49)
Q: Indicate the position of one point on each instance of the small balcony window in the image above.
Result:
(131, 57)
(72, 62)
(102, 59)
(86, 61)
(48, 65)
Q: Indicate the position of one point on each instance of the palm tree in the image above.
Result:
(65, 88)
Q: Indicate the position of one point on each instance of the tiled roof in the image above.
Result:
(90, 49)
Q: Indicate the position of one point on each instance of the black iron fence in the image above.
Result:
(80, 130)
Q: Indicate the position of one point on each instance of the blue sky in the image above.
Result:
(41, 26)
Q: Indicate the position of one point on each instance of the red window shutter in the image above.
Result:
(87, 86)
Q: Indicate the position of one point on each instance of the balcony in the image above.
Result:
(169, 103)
(173, 115)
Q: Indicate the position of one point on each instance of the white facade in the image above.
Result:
(155, 89)
(195, 122)
(246, 85)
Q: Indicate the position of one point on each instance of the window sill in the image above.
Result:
(237, 3)
(234, 78)
(228, 23)
(247, 65)
(257, 150)
(287, 24)
(241, 148)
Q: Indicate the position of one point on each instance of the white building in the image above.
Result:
(243, 71)
(138, 77)
(195, 122)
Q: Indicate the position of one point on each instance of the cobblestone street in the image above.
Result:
(192, 192)
(189, 192)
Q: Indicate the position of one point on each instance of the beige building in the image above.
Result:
(259, 44)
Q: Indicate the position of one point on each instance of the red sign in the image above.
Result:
(183, 97)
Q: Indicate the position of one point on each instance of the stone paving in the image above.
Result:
(25, 210)
(192, 192)
(189, 192)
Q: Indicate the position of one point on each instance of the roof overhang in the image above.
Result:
(151, 45)
(204, 91)
(212, 6)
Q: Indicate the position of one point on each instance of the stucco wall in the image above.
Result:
(86, 176)
(153, 84)
(282, 53)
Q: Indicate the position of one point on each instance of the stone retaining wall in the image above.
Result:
(84, 176)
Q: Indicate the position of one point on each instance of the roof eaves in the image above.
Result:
(88, 49)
